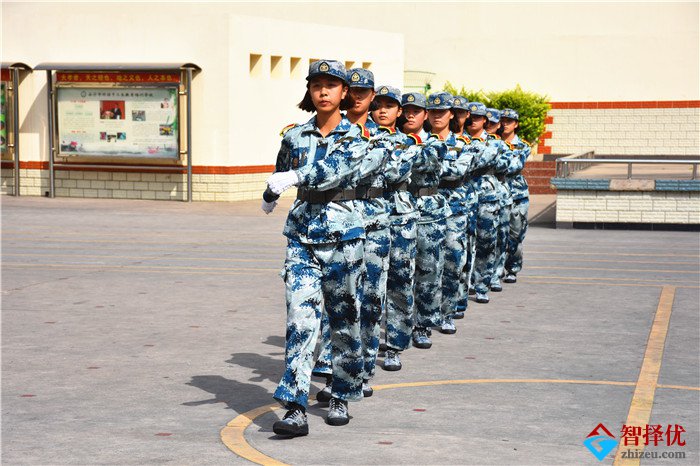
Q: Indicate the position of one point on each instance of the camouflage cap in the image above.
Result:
(510, 113)
(460, 103)
(413, 98)
(360, 77)
(327, 67)
(390, 92)
(439, 101)
(493, 115)
(477, 108)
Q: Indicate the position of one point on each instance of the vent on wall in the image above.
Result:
(255, 65)
(295, 69)
(276, 67)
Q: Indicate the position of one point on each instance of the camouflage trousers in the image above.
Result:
(486, 237)
(468, 272)
(430, 259)
(518, 229)
(330, 274)
(399, 292)
(453, 289)
(502, 242)
(470, 253)
(373, 301)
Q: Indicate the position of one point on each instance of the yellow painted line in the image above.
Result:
(145, 258)
(678, 387)
(599, 269)
(233, 435)
(643, 398)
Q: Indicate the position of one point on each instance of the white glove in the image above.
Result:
(281, 181)
(268, 207)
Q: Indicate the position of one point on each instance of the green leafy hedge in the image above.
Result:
(531, 107)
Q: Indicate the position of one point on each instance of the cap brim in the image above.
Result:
(312, 76)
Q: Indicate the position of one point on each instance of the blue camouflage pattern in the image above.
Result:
(516, 237)
(413, 98)
(316, 274)
(327, 67)
(360, 77)
(439, 101)
(322, 164)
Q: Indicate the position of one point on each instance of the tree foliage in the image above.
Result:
(531, 107)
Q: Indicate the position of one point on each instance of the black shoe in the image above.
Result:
(324, 396)
(496, 287)
(293, 424)
(482, 298)
(367, 390)
(510, 278)
(382, 347)
(337, 412)
(458, 315)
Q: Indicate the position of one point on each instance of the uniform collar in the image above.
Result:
(343, 127)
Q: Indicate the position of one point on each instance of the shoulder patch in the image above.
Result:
(387, 129)
(525, 141)
(463, 139)
(287, 128)
(435, 135)
(415, 138)
(364, 132)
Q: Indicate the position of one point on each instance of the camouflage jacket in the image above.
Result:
(518, 152)
(323, 163)
(500, 167)
(425, 173)
(405, 149)
(456, 163)
(375, 211)
(485, 155)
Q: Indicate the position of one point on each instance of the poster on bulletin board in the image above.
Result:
(118, 121)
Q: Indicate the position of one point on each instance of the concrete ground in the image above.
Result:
(134, 331)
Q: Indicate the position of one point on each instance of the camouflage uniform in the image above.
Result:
(402, 255)
(485, 185)
(434, 209)
(456, 163)
(324, 263)
(520, 151)
(375, 215)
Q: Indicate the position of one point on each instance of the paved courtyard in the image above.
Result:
(133, 332)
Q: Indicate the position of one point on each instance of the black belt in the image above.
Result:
(451, 184)
(482, 172)
(401, 186)
(365, 192)
(419, 192)
(324, 197)
(333, 195)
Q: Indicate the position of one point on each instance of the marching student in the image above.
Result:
(406, 151)
(519, 191)
(493, 126)
(325, 246)
(456, 162)
(484, 184)
(434, 209)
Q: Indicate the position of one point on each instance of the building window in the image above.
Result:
(295, 70)
(255, 65)
(276, 66)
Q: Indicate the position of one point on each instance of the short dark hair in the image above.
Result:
(307, 104)
(454, 124)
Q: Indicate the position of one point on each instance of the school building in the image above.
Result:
(125, 96)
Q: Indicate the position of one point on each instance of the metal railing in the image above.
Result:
(566, 166)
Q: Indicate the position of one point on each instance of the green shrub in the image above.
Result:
(531, 107)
